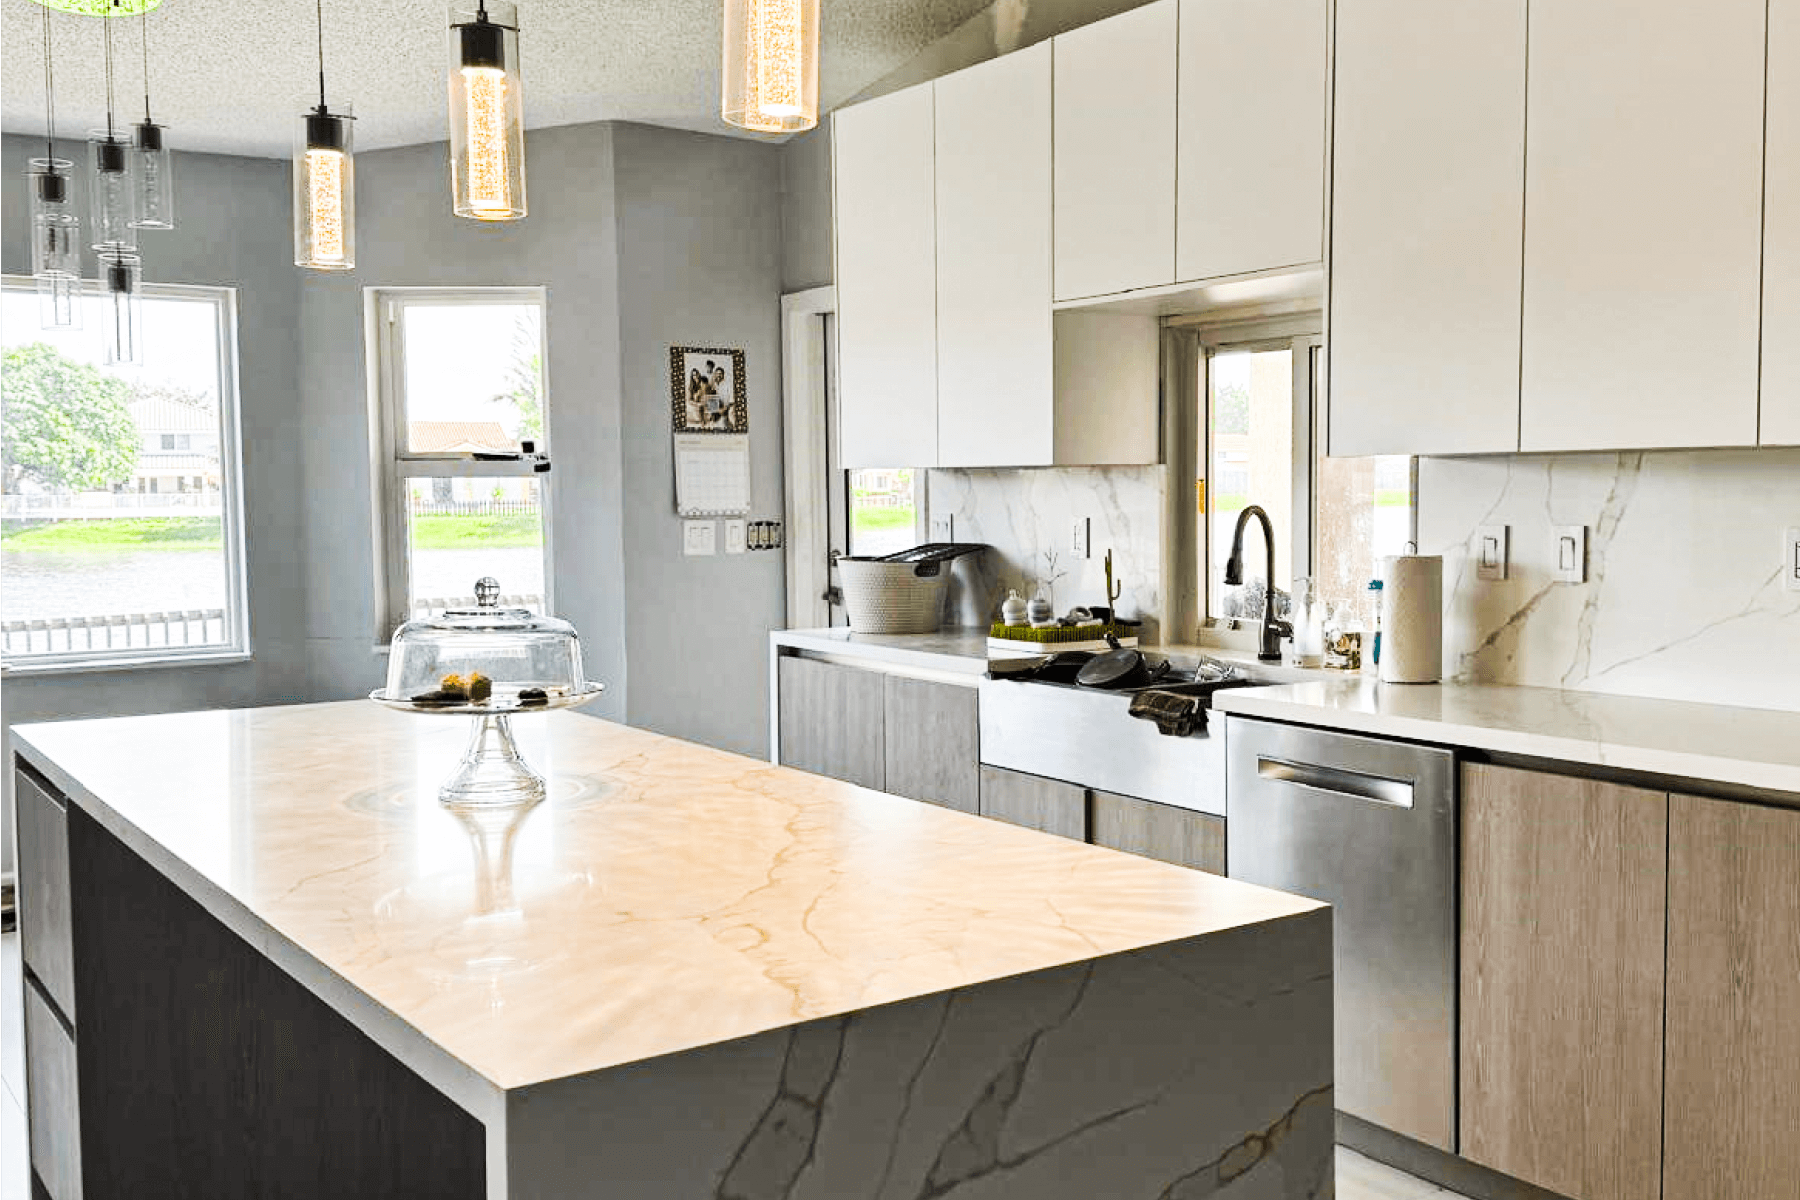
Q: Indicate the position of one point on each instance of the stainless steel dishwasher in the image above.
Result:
(1368, 826)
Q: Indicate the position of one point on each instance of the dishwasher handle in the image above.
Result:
(1354, 784)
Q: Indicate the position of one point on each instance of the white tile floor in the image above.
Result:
(1358, 1178)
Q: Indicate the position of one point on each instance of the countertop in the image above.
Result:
(667, 896)
(1748, 747)
(959, 651)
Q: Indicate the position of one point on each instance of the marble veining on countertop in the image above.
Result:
(666, 896)
(1747, 747)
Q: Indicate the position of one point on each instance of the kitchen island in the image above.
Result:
(291, 971)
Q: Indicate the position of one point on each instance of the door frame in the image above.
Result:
(805, 390)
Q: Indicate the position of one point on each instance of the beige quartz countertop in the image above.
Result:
(667, 896)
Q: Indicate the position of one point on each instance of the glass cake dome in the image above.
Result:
(490, 663)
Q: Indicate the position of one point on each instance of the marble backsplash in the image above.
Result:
(1026, 515)
(1684, 599)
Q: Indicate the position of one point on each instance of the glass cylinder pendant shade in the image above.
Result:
(114, 198)
(487, 112)
(770, 70)
(122, 307)
(324, 192)
(152, 177)
(55, 243)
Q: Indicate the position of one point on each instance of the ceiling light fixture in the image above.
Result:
(114, 199)
(324, 181)
(152, 169)
(122, 273)
(487, 123)
(102, 8)
(770, 68)
(55, 229)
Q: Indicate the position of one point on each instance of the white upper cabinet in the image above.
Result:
(994, 339)
(1115, 153)
(1781, 233)
(884, 198)
(1643, 210)
(1250, 192)
(1427, 190)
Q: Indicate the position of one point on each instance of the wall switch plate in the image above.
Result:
(1491, 551)
(943, 529)
(1080, 535)
(734, 535)
(699, 537)
(1571, 554)
(1790, 556)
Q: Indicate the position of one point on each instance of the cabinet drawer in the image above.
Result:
(1162, 831)
(831, 720)
(44, 887)
(55, 1120)
(1047, 805)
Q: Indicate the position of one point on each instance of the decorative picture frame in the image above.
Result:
(706, 390)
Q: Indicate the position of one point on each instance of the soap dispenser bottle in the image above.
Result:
(1309, 625)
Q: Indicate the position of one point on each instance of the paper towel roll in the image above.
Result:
(1412, 618)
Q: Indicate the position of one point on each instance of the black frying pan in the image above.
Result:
(1122, 667)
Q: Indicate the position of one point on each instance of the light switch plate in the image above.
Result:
(1492, 552)
(734, 535)
(1079, 536)
(1790, 555)
(943, 529)
(699, 537)
(1569, 556)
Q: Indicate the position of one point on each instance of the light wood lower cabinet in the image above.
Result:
(1161, 831)
(44, 889)
(831, 720)
(1563, 902)
(932, 740)
(1048, 805)
(50, 1090)
(1732, 1111)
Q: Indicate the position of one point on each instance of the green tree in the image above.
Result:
(525, 379)
(1231, 409)
(63, 423)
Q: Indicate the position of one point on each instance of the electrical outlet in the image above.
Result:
(943, 529)
(734, 535)
(1492, 551)
(1080, 535)
(699, 537)
(1571, 554)
(1790, 558)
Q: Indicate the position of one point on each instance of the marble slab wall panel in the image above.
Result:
(1193, 1069)
(1684, 599)
(1025, 516)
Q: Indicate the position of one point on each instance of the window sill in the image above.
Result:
(146, 663)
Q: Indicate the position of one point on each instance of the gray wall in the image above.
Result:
(699, 221)
(233, 230)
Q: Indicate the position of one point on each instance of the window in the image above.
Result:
(120, 521)
(884, 510)
(1262, 443)
(459, 384)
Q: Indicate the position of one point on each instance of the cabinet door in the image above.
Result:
(1562, 981)
(1251, 173)
(50, 1092)
(831, 720)
(1049, 805)
(1176, 835)
(1732, 1121)
(1114, 170)
(993, 263)
(44, 889)
(1781, 232)
(933, 748)
(886, 281)
(1427, 195)
(1643, 207)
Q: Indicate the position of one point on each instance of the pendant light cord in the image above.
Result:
(107, 26)
(49, 95)
(144, 40)
(321, 15)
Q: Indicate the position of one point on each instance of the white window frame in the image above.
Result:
(236, 646)
(392, 463)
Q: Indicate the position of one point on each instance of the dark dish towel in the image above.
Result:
(1175, 715)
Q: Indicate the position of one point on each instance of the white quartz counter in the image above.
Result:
(955, 651)
(1748, 747)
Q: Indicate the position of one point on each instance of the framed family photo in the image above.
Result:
(706, 390)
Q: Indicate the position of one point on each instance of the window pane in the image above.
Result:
(112, 513)
(460, 529)
(1250, 402)
(1363, 513)
(474, 377)
(884, 511)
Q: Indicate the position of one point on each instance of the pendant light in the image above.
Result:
(55, 229)
(102, 8)
(324, 181)
(114, 199)
(121, 272)
(487, 123)
(151, 167)
(770, 71)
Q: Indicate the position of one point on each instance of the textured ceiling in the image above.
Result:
(231, 76)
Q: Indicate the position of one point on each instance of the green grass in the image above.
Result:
(449, 532)
(122, 533)
(1392, 498)
(886, 518)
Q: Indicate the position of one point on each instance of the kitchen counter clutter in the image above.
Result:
(1746, 747)
(683, 973)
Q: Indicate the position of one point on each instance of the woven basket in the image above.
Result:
(884, 597)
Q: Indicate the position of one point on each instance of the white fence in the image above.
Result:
(114, 631)
(101, 505)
